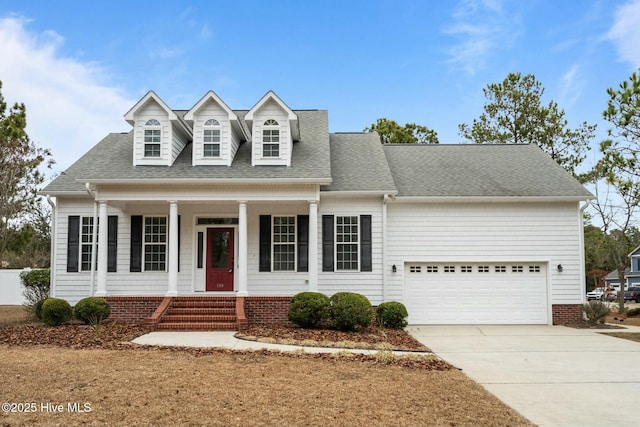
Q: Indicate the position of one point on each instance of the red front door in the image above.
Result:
(220, 259)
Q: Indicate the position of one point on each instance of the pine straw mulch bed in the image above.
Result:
(373, 338)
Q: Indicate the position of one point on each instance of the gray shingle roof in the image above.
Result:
(479, 171)
(112, 159)
(358, 163)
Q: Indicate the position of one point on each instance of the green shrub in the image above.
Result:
(595, 312)
(308, 309)
(392, 314)
(92, 310)
(633, 312)
(56, 311)
(350, 311)
(36, 285)
(37, 308)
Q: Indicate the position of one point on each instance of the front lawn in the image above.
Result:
(49, 374)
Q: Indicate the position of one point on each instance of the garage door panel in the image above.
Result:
(497, 293)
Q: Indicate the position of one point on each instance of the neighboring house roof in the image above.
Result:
(479, 170)
(613, 276)
(358, 164)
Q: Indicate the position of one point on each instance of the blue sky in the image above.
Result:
(79, 66)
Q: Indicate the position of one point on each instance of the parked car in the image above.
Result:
(602, 295)
(632, 294)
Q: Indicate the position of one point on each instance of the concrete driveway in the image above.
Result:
(552, 375)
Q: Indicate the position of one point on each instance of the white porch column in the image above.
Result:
(173, 249)
(313, 246)
(103, 238)
(243, 252)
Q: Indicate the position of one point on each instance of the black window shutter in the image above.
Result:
(365, 243)
(136, 244)
(112, 244)
(200, 248)
(265, 243)
(303, 242)
(327, 242)
(73, 241)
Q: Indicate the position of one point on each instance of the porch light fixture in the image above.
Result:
(560, 268)
(393, 268)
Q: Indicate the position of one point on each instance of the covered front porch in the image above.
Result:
(208, 241)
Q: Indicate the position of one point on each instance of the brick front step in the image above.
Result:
(200, 314)
(201, 318)
(200, 311)
(186, 326)
(213, 303)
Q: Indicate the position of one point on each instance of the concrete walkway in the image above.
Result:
(552, 375)
(224, 339)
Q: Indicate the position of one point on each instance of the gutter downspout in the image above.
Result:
(94, 238)
(54, 234)
(384, 247)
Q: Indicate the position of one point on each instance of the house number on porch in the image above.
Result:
(220, 285)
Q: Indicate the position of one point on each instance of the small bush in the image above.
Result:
(37, 308)
(392, 314)
(595, 312)
(92, 310)
(308, 309)
(56, 311)
(633, 312)
(350, 311)
(36, 285)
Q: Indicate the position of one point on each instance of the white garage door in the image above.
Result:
(481, 293)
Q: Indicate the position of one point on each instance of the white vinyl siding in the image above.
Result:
(366, 283)
(277, 139)
(485, 234)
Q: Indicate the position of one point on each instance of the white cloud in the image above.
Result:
(571, 87)
(625, 32)
(70, 106)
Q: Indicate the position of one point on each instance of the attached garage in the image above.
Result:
(476, 293)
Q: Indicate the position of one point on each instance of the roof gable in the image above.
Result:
(291, 115)
(151, 96)
(209, 97)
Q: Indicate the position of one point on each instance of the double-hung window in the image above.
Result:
(270, 139)
(284, 243)
(86, 243)
(211, 139)
(155, 243)
(347, 243)
(152, 138)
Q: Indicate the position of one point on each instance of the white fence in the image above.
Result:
(11, 288)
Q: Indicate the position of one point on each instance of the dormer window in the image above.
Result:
(152, 138)
(211, 138)
(271, 139)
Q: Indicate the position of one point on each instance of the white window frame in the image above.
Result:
(213, 126)
(294, 244)
(154, 128)
(271, 140)
(356, 243)
(145, 244)
(86, 242)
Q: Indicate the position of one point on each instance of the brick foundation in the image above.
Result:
(567, 314)
(132, 309)
(267, 310)
(258, 310)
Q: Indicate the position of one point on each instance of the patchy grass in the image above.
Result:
(15, 315)
(632, 336)
(147, 387)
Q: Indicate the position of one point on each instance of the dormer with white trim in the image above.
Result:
(217, 133)
(159, 135)
(274, 128)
